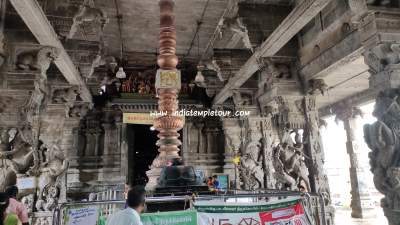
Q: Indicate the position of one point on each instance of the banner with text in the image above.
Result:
(188, 217)
(281, 212)
(138, 118)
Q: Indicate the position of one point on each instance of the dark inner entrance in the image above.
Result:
(142, 151)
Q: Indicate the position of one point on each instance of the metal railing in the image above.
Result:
(313, 203)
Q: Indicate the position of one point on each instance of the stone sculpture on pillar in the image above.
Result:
(382, 138)
(251, 166)
(268, 152)
(292, 157)
(52, 169)
(232, 148)
(16, 155)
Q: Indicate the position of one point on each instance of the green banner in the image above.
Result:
(188, 217)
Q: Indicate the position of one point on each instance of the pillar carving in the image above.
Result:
(360, 197)
(251, 162)
(233, 142)
(315, 156)
(381, 41)
(298, 155)
(267, 143)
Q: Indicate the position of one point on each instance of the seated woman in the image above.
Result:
(6, 218)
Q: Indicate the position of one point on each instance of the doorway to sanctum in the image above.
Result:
(142, 150)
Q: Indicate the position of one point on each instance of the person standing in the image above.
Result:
(127, 187)
(216, 182)
(15, 206)
(131, 215)
(6, 218)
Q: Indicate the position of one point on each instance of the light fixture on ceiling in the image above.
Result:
(199, 79)
(120, 73)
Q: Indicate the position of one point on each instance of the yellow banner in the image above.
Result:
(138, 118)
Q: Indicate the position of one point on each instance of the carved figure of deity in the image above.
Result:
(284, 180)
(292, 157)
(28, 201)
(7, 166)
(251, 164)
(16, 156)
(51, 170)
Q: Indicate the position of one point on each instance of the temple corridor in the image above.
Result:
(199, 112)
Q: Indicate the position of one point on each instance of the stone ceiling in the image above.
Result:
(140, 24)
(345, 81)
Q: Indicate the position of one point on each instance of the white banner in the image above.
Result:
(280, 213)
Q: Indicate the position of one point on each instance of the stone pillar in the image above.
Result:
(67, 145)
(233, 142)
(267, 142)
(291, 112)
(209, 133)
(109, 144)
(124, 150)
(380, 33)
(359, 195)
(200, 146)
(107, 139)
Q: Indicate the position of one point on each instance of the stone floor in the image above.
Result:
(343, 217)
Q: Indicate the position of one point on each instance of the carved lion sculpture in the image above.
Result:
(37, 60)
(78, 110)
(317, 85)
(65, 95)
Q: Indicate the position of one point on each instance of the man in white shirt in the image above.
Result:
(130, 216)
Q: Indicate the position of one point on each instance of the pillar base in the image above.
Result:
(153, 175)
(393, 216)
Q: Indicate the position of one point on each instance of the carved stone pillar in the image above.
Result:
(233, 142)
(209, 136)
(360, 197)
(108, 143)
(67, 145)
(123, 149)
(201, 149)
(292, 112)
(380, 31)
(267, 142)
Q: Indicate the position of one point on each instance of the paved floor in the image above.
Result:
(343, 217)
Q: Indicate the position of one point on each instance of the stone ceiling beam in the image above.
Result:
(35, 19)
(294, 22)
